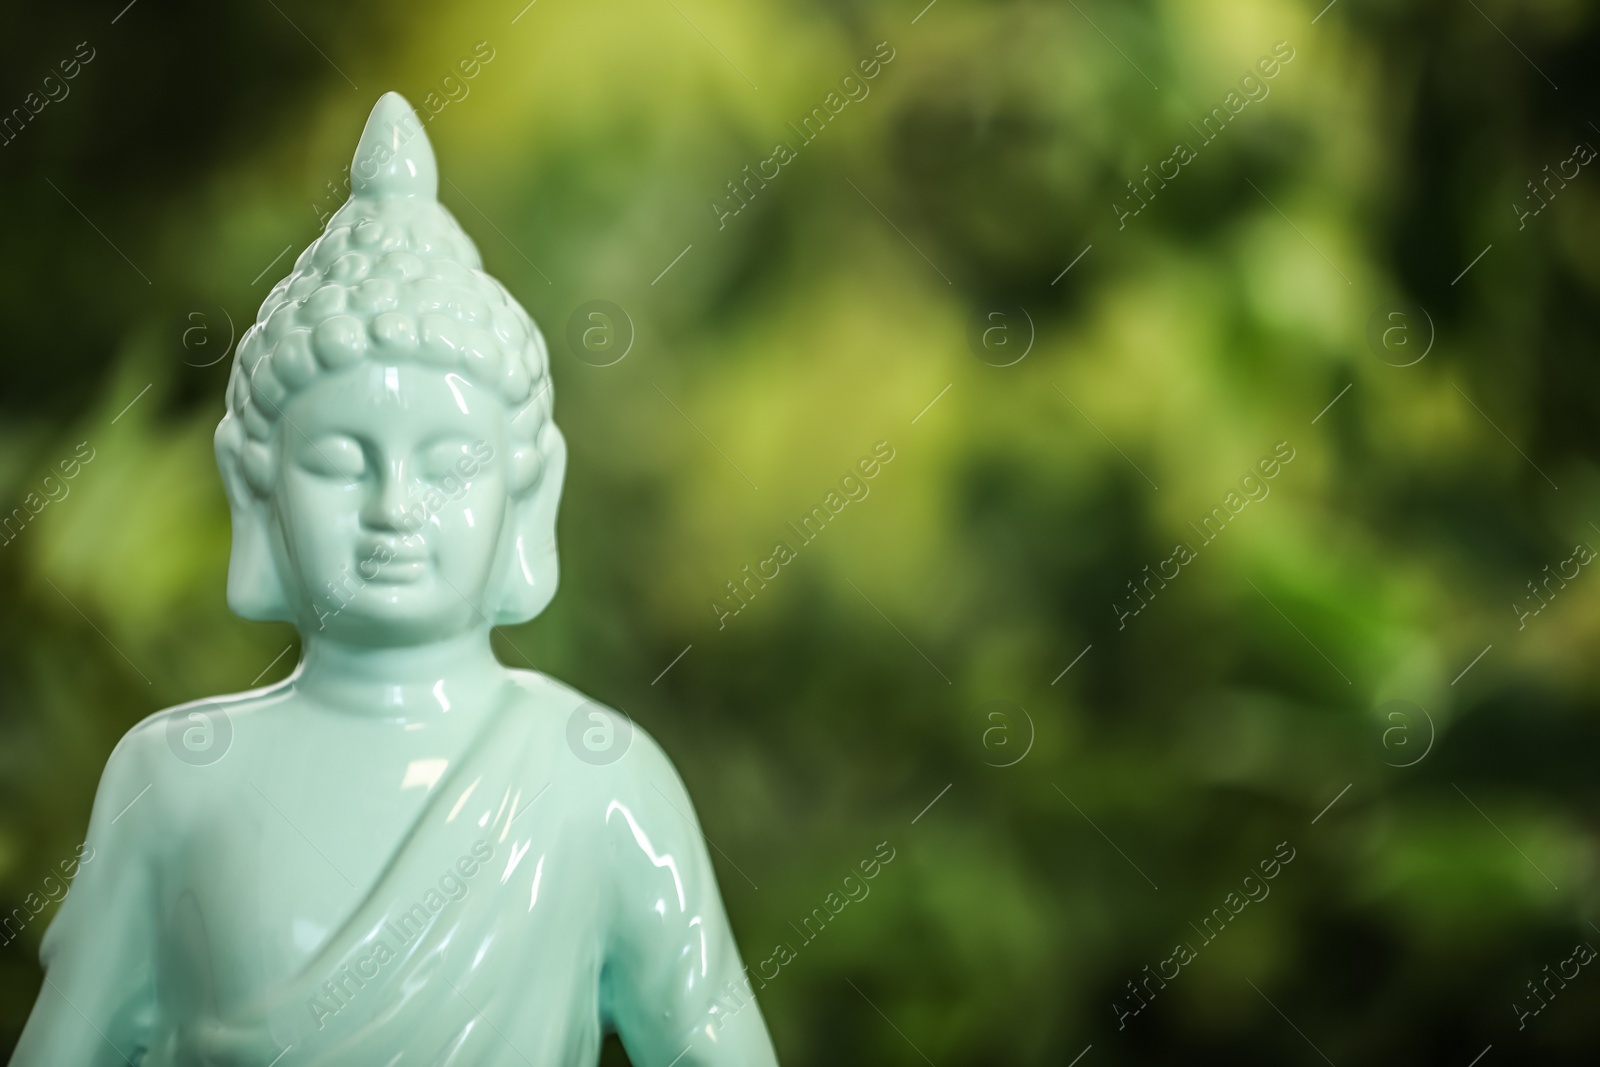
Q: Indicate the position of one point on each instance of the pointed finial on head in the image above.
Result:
(394, 157)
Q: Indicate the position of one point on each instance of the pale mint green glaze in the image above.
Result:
(405, 854)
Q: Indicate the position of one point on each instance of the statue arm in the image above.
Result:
(674, 986)
(96, 1006)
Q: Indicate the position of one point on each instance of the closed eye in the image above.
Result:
(333, 456)
(447, 461)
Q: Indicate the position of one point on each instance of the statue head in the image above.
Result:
(391, 463)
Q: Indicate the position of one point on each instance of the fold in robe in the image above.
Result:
(598, 910)
(423, 1005)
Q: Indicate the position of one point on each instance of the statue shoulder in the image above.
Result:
(599, 735)
(193, 734)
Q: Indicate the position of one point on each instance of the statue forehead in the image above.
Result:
(398, 400)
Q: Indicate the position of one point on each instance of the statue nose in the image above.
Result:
(385, 507)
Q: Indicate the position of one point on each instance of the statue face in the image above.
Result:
(392, 502)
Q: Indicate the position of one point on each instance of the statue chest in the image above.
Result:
(342, 858)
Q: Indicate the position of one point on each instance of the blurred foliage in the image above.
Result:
(151, 202)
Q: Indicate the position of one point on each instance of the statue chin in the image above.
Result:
(405, 852)
(391, 625)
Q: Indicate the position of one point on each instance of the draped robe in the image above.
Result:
(534, 903)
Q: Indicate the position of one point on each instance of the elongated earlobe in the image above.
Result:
(255, 586)
(532, 569)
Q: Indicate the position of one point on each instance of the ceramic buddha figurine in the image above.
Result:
(406, 853)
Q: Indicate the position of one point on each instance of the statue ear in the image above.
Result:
(255, 586)
(531, 568)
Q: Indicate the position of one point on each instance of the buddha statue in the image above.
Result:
(405, 853)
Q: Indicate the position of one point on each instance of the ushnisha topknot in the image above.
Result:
(393, 278)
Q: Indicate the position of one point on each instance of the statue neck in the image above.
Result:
(452, 676)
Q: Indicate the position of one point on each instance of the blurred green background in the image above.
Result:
(146, 206)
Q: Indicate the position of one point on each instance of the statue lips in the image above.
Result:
(394, 561)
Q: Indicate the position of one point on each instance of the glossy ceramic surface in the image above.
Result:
(405, 853)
